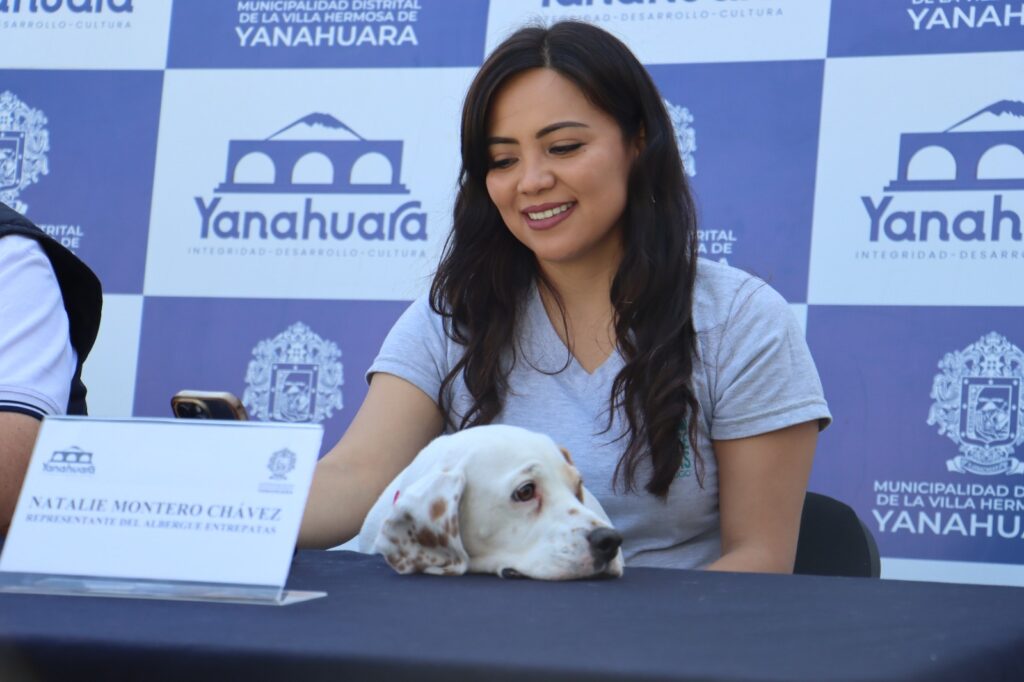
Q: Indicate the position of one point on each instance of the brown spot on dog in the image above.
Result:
(427, 538)
(568, 457)
(437, 508)
(574, 512)
(397, 562)
(579, 490)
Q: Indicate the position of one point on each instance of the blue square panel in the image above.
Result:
(288, 361)
(748, 135)
(76, 156)
(928, 438)
(327, 33)
(884, 27)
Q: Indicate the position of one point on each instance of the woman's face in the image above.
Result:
(558, 170)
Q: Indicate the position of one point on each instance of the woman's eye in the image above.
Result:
(566, 148)
(524, 493)
(501, 163)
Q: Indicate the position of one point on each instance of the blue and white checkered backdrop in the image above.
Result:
(263, 185)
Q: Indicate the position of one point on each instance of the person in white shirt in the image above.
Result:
(50, 305)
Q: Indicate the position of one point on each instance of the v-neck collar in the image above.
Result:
(552, 347)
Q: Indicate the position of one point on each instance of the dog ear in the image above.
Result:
(421, 534)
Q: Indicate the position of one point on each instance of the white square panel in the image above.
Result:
(304, 184)
(109, 371)
(920, 188)
(667, 32)
(98, 34)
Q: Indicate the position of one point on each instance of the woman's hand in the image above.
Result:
(761, 485)
(395, 422)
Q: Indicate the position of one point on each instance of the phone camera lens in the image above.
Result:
(190, 410)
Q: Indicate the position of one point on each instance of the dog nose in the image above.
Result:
(604, 544)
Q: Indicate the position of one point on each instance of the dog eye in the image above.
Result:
(524, 493)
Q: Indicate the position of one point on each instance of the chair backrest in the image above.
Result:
(834, 541)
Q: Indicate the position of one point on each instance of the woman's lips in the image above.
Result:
(546, 216)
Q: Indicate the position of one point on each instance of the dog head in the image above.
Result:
(501, 500)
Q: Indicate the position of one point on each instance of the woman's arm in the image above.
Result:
(761, 484)
(395, 422)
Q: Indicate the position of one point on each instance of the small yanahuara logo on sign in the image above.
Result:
(24, 142)
(977, 406)
(686, 136)
(294, 377)
(73, 460)
(281, 464)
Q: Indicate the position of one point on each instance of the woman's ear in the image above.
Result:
(639, 142)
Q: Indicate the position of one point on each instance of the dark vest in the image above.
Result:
(83, 297)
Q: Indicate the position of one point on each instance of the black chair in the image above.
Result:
(834, 541)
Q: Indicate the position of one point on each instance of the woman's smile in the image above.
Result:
(546, 216)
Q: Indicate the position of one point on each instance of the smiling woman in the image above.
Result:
(560, 187)
(570, 301)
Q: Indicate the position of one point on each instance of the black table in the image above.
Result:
(650, 625)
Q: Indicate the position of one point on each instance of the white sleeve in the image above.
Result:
(37, 361)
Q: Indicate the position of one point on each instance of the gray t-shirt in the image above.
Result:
(754, 374)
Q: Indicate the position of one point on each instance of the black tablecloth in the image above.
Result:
(652, 624)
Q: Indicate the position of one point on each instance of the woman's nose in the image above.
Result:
(536, 177)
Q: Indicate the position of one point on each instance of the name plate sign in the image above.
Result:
(161, 508)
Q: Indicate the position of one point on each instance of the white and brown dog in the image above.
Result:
(492, 499)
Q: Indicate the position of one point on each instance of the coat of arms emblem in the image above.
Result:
(686, 136)
(281, 464)
(977, 406)
(294, 377)
(23, 146)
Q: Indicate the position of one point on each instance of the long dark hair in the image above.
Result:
(486, 272)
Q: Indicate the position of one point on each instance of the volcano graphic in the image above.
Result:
(316, 127)
(1006, 114)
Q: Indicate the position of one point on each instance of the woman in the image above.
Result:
(570, 301)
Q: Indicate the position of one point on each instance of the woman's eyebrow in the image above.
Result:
(546, 130)
(558, 126)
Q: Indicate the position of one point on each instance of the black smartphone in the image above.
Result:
(208, 405)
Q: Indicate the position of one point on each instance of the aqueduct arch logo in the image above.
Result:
(975, 153)
(317, 154)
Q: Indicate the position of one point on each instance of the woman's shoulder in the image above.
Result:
(421, 305)
(721, 291)
(418, 320)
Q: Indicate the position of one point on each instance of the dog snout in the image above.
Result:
(604, 544)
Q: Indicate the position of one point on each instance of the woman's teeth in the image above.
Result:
(551, 212)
